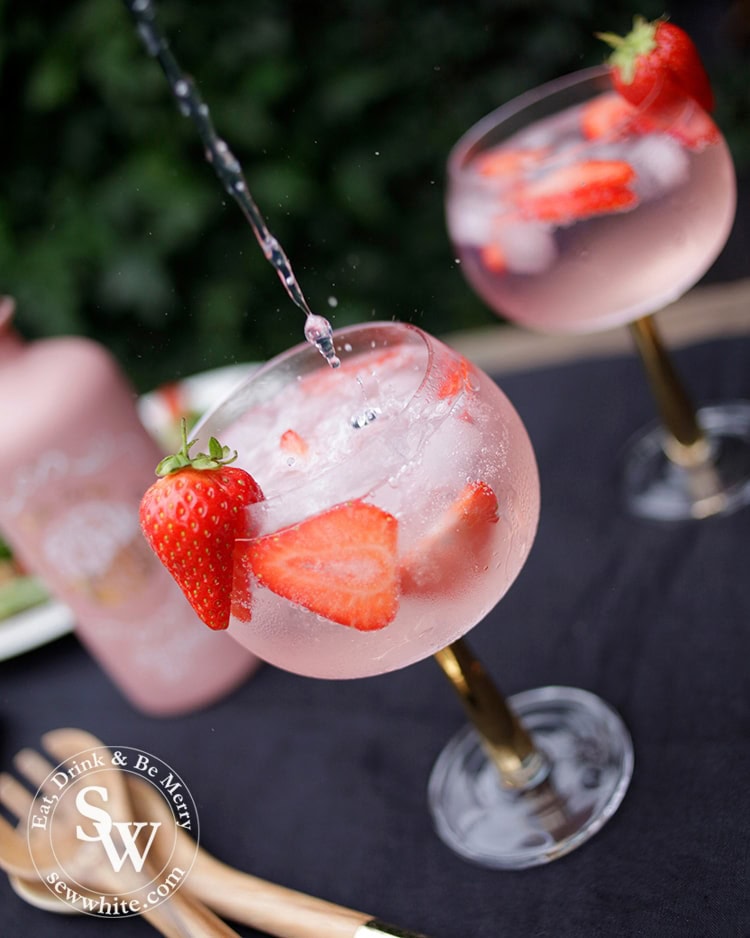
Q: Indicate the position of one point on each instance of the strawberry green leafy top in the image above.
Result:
(658, 66)
(216, 456)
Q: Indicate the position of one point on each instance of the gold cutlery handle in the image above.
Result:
(378, 929)
(280, 911)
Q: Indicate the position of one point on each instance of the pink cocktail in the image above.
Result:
(440, 461)
(401, 502)
(573, 211)
(591, 214)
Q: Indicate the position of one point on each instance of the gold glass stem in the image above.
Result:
(503, 737)
(686, 444)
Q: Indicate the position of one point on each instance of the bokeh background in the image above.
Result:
(112, 225)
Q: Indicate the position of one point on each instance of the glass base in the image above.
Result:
(657, 488)
(590, 763)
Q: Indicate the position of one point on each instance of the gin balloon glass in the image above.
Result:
(401, 502)
(573, 211)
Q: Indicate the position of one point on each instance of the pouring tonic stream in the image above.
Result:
(392, 503)
(228, 169)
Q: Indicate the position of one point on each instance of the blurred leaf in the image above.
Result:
(51, 83)
(137, 280)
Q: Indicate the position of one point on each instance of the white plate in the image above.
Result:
(193, 395)
(44, 623)
(34, 627)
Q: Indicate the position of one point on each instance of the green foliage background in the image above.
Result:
(342, 113)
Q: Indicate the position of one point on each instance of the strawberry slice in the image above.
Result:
(507, 162)
(580, 190)
(609, 115)
(695, 130)
(340, 564)
(456, 546)
(293, 444)
(494, 259)
(456, 380)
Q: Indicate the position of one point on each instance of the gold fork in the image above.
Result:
(178, 916)
(241, 897)
(270, 908)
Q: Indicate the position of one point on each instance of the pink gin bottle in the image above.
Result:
(74, 463)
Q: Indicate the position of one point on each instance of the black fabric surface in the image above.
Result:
(321, 785)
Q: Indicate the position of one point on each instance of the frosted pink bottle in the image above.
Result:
(74, 463)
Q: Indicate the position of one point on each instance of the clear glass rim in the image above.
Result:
(502, 113)
(461, 151)
(305, 351)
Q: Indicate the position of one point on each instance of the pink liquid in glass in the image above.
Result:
(405, 425)
(589, 270)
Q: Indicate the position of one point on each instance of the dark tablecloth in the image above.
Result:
(321, 785)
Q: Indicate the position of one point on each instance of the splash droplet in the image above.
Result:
(319, 333)
(359, 421)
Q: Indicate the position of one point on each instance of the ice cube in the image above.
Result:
(606, 151)
(470, 219)
(661, 164)
(556, 132)
(528, 247)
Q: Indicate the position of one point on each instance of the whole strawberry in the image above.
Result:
(191, 517)
(657, 65)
